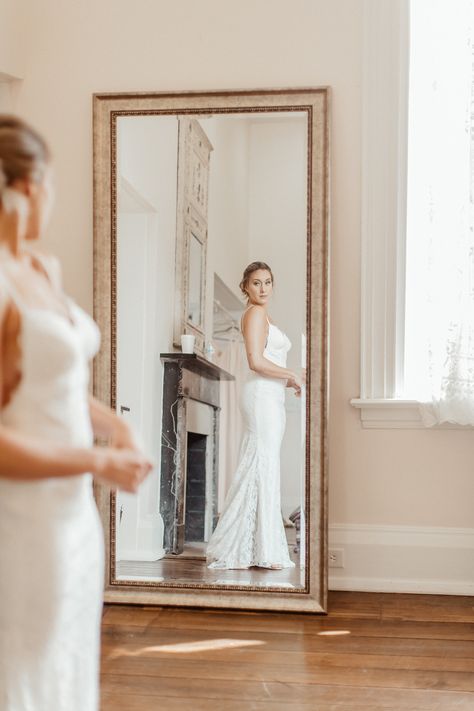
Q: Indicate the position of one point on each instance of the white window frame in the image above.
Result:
(385, 81)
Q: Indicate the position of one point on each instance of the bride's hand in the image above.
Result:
(124, 469)
(295, 383)
(301, 381)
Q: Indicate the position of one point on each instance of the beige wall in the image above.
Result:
(277, 235)
(76, 48)
(12, 49)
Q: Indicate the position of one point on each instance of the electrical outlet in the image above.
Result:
(336, 557)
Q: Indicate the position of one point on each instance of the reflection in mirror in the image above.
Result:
(225, 504)
(195, 281)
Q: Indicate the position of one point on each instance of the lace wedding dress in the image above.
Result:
(250, 530)
(51, 540)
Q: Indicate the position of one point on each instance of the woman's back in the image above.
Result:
(276, 347)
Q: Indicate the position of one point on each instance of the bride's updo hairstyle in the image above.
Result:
(248, 271)
(24, 155)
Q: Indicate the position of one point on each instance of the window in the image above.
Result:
(410, 266)
(439, 314)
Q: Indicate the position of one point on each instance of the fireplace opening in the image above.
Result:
(195, 506)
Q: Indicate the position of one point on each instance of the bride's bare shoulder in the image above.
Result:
(254, 318)
(254, 314)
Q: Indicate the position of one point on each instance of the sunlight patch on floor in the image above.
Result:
(205, 645)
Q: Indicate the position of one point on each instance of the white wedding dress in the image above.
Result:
(51, 540)
(250, 529)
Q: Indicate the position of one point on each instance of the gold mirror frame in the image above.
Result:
(315, 103)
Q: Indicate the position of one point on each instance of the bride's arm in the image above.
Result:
(29, 458)
(255, 334)
(25, 458)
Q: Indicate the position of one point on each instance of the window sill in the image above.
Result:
(384, 413)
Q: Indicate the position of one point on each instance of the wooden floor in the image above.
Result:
(191, 567)
(372, 652)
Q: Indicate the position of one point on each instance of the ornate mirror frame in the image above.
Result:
(315, 103)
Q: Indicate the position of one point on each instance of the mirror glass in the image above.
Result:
(195, 281)
(228, 443)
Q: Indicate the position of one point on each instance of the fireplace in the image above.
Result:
(189, 448)
(196, 490)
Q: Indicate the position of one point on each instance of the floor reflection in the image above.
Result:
(190, 567)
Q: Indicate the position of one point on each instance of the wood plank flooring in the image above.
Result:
(191, 567)
(195, 570)
(372, 652)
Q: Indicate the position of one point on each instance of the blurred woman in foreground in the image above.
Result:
(51, 541)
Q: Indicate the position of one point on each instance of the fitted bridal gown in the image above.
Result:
(51, 541)
(250, 530)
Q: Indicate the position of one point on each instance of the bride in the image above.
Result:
(250, 530)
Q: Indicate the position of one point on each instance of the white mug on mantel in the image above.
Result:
(187, 343)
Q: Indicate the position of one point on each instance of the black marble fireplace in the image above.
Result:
(195, 503)
(189, 448)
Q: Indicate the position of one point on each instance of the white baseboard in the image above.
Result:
(148, 539)
(427, 587)
(142, 556)
(409, 559)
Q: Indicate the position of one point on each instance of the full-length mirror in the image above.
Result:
(210, 269)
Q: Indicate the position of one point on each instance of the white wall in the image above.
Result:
(72, 49)
(133, 237)
(277, 235)
(147, 160)
(228, 198)
(277, 218)
(227, 247)
(257, 211)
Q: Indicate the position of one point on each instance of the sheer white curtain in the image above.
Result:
(439, 336)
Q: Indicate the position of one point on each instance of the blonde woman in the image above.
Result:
(250, 530)
(51, 541)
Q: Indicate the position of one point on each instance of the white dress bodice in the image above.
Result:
(55, 374)
(277, 346)
(51, 400)
(276, 350)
